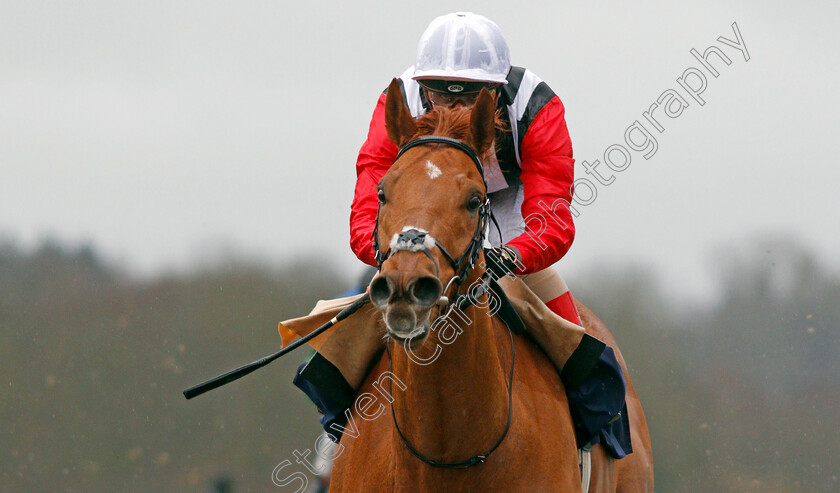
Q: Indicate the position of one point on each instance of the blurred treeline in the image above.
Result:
(741, 395)
(93, 364)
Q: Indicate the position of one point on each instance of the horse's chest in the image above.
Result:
(528, 460)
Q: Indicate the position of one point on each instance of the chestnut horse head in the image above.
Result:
(433, 210)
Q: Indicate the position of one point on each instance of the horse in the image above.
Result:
(472, 406)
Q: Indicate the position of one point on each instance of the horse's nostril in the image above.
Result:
(380, 291)
(426, 291)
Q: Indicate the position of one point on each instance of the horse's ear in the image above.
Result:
(483, 121)
(398, 120)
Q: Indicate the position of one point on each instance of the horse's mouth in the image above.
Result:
(416, 335)
(406, 323)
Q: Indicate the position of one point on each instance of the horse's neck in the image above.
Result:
(458, 404)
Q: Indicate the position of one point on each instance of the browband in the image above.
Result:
(437, 139)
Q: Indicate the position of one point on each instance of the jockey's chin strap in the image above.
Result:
(414, 239)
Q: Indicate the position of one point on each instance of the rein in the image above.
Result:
(462, 266)
(476, 459)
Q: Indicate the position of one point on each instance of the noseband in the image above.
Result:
(417, 240)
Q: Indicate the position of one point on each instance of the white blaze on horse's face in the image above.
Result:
(432, 170)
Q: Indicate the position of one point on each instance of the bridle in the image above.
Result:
(462, 266)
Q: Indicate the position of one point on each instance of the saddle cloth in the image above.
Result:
(346, 352)
(354, 344)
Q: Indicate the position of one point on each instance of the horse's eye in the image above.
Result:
(381, 196)
(474, 204)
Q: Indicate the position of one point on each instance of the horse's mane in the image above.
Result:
(452, 122)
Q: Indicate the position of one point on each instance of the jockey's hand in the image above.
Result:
(503, 261)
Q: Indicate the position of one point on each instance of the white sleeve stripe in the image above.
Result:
(412, 93)
(516, 110)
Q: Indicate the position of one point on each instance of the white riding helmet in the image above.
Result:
(462, 46)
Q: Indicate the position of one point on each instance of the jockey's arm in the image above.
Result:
(547, 177)
(375, 157)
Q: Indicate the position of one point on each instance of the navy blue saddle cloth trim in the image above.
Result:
(327, 388)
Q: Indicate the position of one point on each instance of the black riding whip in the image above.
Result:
(250, 367)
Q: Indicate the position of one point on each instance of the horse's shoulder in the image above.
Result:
(533, 370)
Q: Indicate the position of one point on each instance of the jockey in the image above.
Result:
(529, 177)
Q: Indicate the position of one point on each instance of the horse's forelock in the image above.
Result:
(451, 122)
(446, 122)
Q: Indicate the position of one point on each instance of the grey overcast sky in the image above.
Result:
(166, 132)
